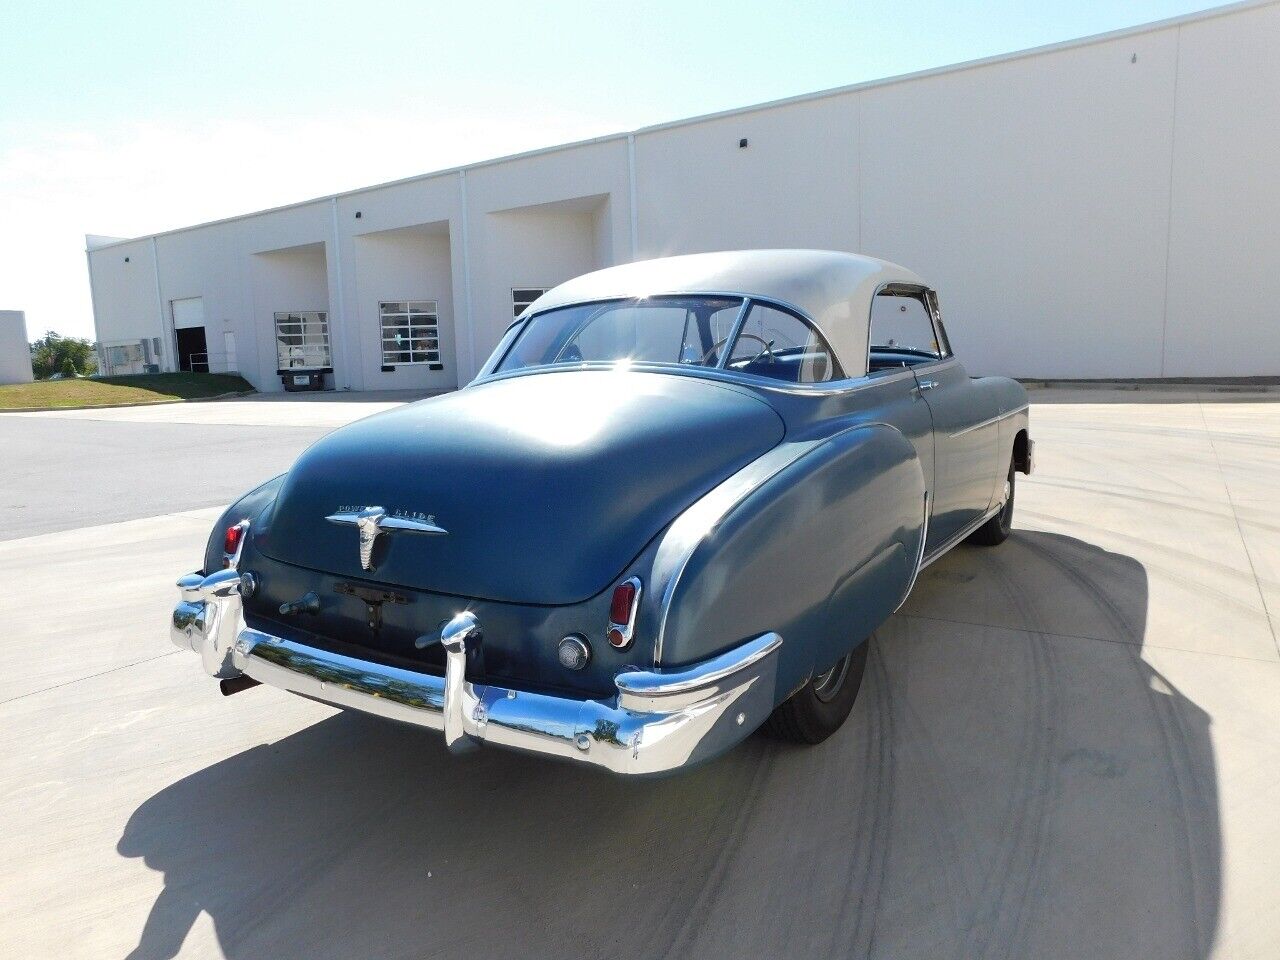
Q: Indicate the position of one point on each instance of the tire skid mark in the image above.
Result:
(854, 927)
(1172, 573)
(1003, 904)
(1180, 767)
(737, 813)
(946, 814)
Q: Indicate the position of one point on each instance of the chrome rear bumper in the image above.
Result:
(659, 720)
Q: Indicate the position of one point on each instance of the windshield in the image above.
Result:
(678, 330)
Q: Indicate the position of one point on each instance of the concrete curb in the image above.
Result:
(136, 403)
(1207, 385)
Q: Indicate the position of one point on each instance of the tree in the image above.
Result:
(70, 355)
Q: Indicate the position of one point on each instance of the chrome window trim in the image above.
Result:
(931, 365)
(751, 381)
(939, 331)
(930, 300)
(734, 332)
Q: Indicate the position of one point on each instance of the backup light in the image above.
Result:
(622, 613)
(573, 652)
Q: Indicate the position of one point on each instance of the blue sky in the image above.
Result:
(125, 119)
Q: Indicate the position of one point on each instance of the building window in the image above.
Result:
(302, 340)
(521, 297)
(410, 333)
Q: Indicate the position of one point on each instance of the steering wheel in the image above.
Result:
(720, 343)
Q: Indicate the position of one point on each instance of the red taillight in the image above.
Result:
(231, 539)
(623, 597)
(622, 613)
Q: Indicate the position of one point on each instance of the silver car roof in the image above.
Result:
(832, 289)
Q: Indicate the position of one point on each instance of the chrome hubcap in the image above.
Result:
(828, 683)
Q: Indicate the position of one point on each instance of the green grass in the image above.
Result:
(144, 388)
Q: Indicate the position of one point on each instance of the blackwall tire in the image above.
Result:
(996, 530)
(817, 710)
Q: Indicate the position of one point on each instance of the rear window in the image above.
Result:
(671, 330)
(686, 331)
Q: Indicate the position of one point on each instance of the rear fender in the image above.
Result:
(822, 550)
(249, 507)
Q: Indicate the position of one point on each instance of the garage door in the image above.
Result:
(188, 313)
(188, 328)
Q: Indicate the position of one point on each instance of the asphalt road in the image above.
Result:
(1065, 747)
(79, 468)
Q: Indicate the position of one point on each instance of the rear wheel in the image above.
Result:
(816, 710)
(996, 530)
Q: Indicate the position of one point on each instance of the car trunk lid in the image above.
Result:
(547, 484)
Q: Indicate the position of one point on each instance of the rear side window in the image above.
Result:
(902, 330)
(780, 345)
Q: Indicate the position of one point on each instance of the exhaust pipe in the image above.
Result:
(235, 684)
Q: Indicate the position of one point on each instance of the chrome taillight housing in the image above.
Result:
(233, 543)
(622, 613)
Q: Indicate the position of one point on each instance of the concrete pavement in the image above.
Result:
(1067, 746)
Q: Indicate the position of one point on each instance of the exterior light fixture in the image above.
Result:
(573, 653)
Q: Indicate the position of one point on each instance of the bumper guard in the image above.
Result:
(660, 719)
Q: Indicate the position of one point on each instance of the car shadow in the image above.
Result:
(1015, 781)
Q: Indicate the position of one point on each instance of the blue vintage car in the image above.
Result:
(670, 509)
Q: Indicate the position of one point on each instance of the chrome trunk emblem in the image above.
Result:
(372, 522)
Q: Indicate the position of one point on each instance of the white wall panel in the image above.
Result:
(124, 296)
(1033, 193)
(1224, 251)
(795, 184)
(15, 349)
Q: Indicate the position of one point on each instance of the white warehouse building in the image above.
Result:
(1103, 208)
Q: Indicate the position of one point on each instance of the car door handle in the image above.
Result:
(924, 385)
